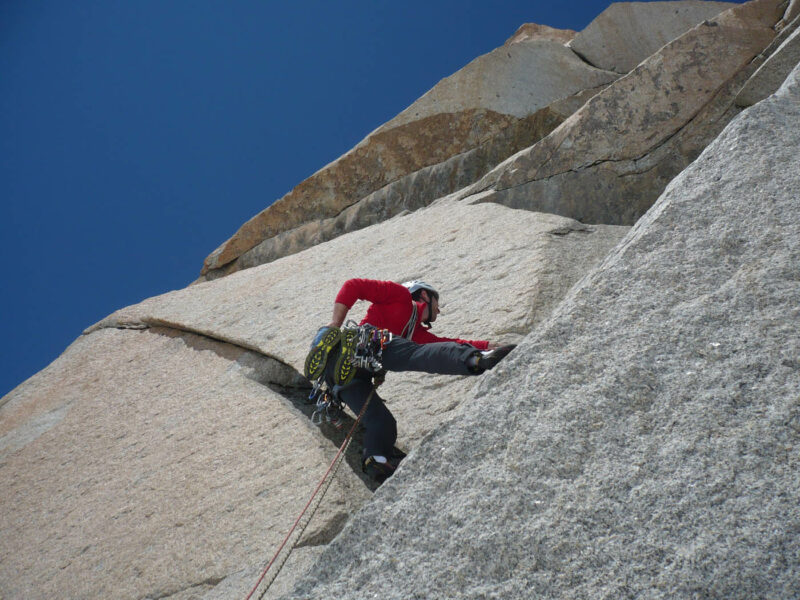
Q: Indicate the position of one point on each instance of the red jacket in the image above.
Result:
(391, 309)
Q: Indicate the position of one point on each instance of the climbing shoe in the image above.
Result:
(489, 359)
(344, 368)
(379, 468)
(324, 342)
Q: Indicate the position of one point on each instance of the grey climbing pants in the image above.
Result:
(380, 427)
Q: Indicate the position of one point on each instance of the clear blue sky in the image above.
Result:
(139, 135)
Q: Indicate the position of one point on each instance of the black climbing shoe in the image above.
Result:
(379, 468)
(325, 341)
(488, 360)
(344, 369)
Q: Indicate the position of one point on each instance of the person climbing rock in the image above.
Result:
(406, 312)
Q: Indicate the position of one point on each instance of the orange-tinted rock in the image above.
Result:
(533, 31)
(460, 113)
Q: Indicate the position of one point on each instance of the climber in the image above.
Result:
(406, 311)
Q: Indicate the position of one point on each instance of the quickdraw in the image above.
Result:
(329, 407)
(368, 352)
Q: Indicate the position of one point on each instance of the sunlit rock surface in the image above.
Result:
(148, 463)
(626, 33)
(169, 448)
(641, 441)
(645, 440)
(776, 66)
(491, 102)
(611, 159)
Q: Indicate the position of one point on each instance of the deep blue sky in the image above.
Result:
(136, 136)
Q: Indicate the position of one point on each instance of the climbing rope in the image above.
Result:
(316, 500)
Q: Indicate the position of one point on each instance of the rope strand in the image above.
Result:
(323, 485)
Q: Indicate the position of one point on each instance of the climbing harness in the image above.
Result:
(316, 500)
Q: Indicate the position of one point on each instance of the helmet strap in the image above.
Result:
(427, 323)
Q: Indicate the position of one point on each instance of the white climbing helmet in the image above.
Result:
(416, 285)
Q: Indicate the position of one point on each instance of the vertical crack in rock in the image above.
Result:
(326, 535)
(298, 399)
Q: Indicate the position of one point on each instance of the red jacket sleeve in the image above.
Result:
(377, 292)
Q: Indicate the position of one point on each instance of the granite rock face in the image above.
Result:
(645, 440)
(410, 192)
(792, 12)
(626, 33)
(642, 441)
(610, 160)
(776, 66)
(516, 79)
(466, 111)
(153, 463)
(166, 452)
(499, 104)
(499, 271)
